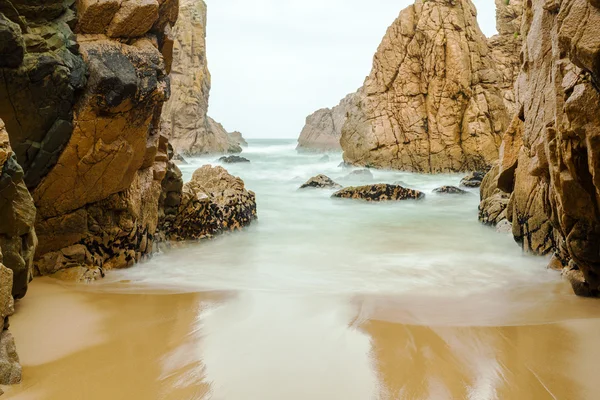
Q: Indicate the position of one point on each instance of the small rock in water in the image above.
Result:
(473, 180)
(179, 160)
(361, 174)
(450, 190)
(344, 165)
(379, 192)
(233, 159)
(325, 158)
(321, 182)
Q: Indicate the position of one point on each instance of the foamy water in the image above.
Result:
(307, 242)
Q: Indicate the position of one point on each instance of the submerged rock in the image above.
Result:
(473, 180)
(233, 159)
(321, 181)
(379, 192)
(449, 190)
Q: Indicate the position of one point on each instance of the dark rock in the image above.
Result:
(473, 180)
(450, 190)
(233, 159)
(379, 192)
(12, 46)
(322, 182)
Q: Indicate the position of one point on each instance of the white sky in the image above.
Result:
(273, 62)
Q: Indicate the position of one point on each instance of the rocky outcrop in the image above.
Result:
(323, 128)
(321, 182)
(473, 179)
(549, 162)
(432, 102)
(212, 202)
(184, 119)
(18, 240)
(492, 209)
(379, 192)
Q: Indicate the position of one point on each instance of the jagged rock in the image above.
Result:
(553, 154)
(492, 209)
(473, 180)
(379, 192)
(432, 101)
(212, 202)
(233, 159)
(449, 190)
(323, 128)
(321, 181)
(184, 119)
(360, 174)
(238, 138)
(133, 18)
(17, 218)
(10, 369)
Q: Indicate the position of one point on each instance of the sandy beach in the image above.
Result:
(123, 342)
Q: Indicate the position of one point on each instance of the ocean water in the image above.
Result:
(305, 242)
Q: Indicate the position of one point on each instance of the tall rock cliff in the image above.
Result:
(550, 164)
(433, 101)
(184, 119)
(323, 128)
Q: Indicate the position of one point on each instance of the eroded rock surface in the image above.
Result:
(10, 369)
(321, 182)
(473, 180)
(379, 192)
(323, 128)
(238, 138)
(550, 158)
(432, 102)
(184, 119)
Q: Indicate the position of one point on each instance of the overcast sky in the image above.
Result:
(273, 62)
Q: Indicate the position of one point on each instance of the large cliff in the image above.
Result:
(184, 119)
(433, 100)
(550, 159)
(323, 128)
(86, 178)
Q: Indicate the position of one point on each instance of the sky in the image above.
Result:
(274, 62)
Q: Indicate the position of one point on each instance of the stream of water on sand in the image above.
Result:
(321, 298)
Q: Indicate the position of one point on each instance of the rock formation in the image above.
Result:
(211, 203)
(233, 160)
(238, 138)
(449, 190)
(379, 192)
(323, 128)
(433, 101)
(184, 119)
(321, 182)
(550, 157)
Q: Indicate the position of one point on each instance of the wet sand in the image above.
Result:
(117, 342)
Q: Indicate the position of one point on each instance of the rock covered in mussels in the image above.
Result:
(379, 192)
(212, 202)
(449, 190)
(233, 159)
(321, 182)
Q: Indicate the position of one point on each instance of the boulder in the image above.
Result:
(360, 174)
(379, 192)
(473, 180)
(233, 159)
(449, 190)
(321, 182)
(212, 202)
